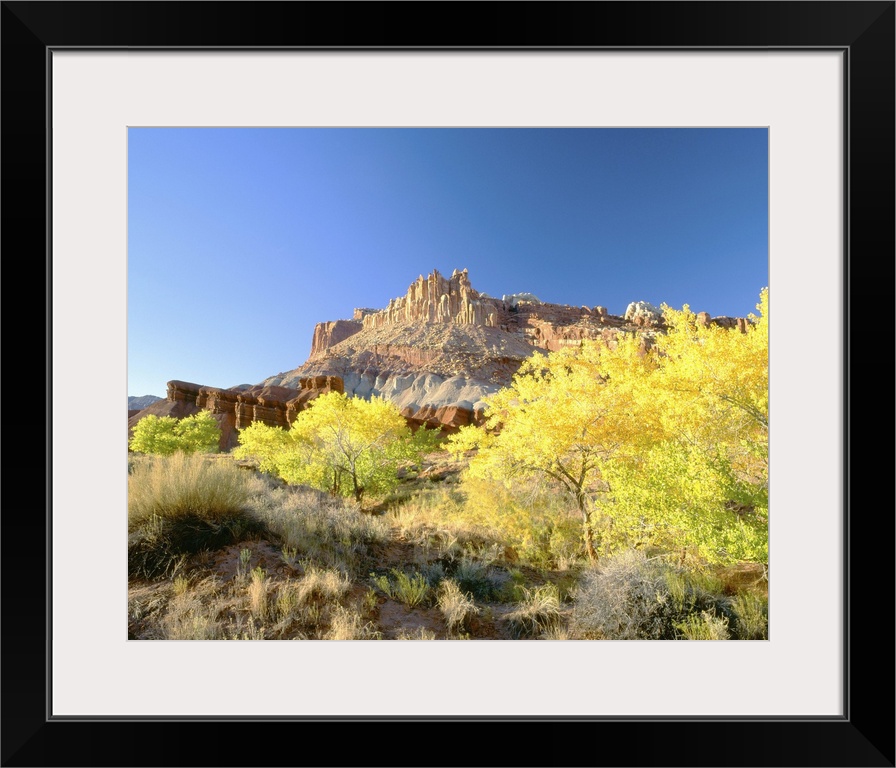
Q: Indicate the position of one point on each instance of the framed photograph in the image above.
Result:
(817, 77)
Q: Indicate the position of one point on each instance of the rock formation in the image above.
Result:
(330, 333)
(643, 313)
(235, 409)
(434, 299)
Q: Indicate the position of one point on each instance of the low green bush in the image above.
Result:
(166, 435)
(410, 589)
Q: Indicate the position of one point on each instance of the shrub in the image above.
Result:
(326, 531)
(456, 606)
(703, 626)
(344, 445)
(412, 590)
(537, 613)
(181, 505)
(349, 625)
(632, 597)
(163, 436)
(528, 517)
(751, 617)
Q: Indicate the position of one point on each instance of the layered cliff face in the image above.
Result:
(436, 300)
(331, 333)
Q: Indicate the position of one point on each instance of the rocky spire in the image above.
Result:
(435, 299)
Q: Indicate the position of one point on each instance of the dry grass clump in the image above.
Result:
(188, 618)
(751, 616)
(323, 584)
(258, 593)
(456, 606)
(633, 597)
(556, 632)
(703, 626)
(347, 624)
(305, 607)
(181, 505)
(420, 633)
(538, 613)
(329, 531)
(185, 485)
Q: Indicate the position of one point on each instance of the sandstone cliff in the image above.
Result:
(331, 333)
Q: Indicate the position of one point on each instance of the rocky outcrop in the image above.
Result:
(235, 409)
(643, 313)
(440, 349)
(448, 418)
(741, 323)
(513, 299)
(435, 299)
(332, 332)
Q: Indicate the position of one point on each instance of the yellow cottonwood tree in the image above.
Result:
(345, 445)
(165, 435)
(563, 418)
(670, 446)
(703, 486)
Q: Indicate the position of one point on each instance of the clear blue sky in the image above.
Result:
(240, 240)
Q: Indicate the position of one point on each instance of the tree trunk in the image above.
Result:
(587, 529)
(359, 491)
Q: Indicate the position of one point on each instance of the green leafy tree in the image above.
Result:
(347, 446)
(166, 435)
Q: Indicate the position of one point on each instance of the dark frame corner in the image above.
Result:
(863, 30)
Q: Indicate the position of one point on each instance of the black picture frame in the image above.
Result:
(864, 736)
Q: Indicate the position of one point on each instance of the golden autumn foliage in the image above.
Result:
(666, 447)
(344, 445)
(166, 435)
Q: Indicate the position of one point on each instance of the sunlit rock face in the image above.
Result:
(436, 299)
(332, 332)
(643, 313)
